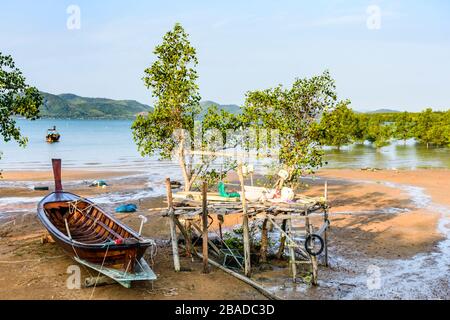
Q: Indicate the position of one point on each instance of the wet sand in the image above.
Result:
(375, 218)
(66, 175)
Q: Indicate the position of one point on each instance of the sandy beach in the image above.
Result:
(383, 217)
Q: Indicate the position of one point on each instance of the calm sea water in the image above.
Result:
(86, 144)
(108, 144)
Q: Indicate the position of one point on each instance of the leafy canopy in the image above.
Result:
(171, 130)
(293, 113)
(338, 127)
(16, 99)
(172, 79)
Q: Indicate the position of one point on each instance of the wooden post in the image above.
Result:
(245, 228)
(292, 253)
(172, 224)
(186, 236)
(205, 226)
(56, 164)
(189, 238)
(309, 231)
(325, 219)
(264, 241)
(282, 240)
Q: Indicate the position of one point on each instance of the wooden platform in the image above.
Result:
(188, 211)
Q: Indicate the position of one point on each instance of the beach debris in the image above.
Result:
(99, 183)
(171, 292)
(125, 208)
(370, 169)
(175, 184)
(47, 239)
(98, 281)
(40, 188)
(224, 193)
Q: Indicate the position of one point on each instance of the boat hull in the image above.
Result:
(85, 231)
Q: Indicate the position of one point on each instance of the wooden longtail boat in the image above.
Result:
(93, 237)
(52, 135)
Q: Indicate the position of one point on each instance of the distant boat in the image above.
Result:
(52, 135)
(93, 237)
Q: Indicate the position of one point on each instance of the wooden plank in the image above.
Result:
(212, 196)
(249, 281)
(314, 267)
(287, 236)
(172, 225)
(325, 218)
(245, 227)
(56, 164)
(205, 226)
(215, 248)
(292, 254)
(186, 236)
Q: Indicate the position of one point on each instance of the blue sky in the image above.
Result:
(241, 46)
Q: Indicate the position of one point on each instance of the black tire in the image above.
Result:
(314, 237)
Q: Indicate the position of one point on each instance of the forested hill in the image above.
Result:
(72, 106)
(232, 108)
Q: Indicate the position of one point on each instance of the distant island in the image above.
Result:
(384, 111)
(71, 106)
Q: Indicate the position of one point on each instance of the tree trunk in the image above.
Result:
(182, 163)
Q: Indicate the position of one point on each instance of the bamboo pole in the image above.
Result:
(309, 231)
(325, 219)
(292, 253)
(205, 226)
(249, 281)
(245, 227)
(172, 225)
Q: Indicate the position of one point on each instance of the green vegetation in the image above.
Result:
(428, 128)
(70, 106)
(17, 99)
(293, 113)
(170, 128)
(229, 108)
(302, 119)
(338, 126)
(172, 78)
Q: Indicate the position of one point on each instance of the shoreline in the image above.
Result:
(363, 232)
(67, 174)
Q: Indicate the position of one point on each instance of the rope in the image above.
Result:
(98, 276)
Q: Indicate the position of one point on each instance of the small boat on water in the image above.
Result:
(93, 237)
(52, 135)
